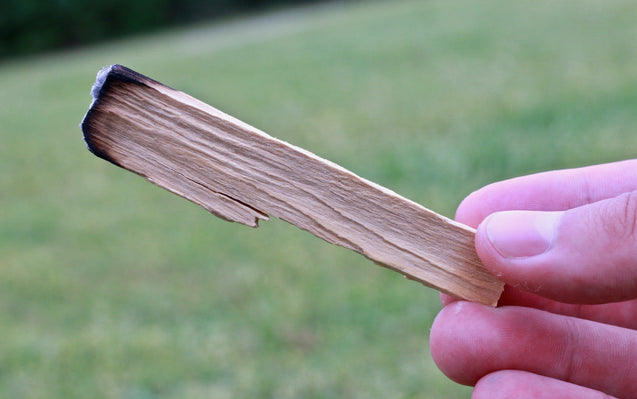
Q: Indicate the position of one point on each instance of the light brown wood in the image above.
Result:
(241, 174)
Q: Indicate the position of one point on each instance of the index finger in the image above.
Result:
(550, 191)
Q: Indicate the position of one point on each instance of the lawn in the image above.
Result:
(113, 288)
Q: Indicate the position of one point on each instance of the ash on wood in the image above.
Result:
(241, 174)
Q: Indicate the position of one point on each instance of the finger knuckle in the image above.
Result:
(620, 219)
(630, 215)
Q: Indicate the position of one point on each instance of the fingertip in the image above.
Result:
(447, 299)
(491, 258)
(512, 243)
(522, 384)
(470, 211)
(451, 345)
(522, 234)
(442, 333)
(493, 386)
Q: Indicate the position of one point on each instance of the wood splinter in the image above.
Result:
(241, 174)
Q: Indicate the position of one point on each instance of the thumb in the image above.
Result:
(583, 255)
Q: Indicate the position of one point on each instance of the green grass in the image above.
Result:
(113, 288)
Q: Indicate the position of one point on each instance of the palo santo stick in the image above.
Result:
(241, 174)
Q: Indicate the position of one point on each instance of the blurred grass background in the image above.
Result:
(113, 288)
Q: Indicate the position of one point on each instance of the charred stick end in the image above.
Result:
(107, 78)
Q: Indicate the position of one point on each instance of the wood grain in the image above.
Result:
(241, 174)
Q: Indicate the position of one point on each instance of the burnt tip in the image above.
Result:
(95, 144)
(116, 73)
(89, 125)
(99, 81)
(106, 83)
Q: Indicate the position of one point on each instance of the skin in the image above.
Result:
(566, 325)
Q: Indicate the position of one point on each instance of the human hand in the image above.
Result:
(566, 325)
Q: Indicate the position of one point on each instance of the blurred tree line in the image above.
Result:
(28, 26)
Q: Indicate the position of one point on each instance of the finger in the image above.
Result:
(447, 299)
(469, 341)
(523, 385)
(550, 191)
(621, 314)
(583, 255)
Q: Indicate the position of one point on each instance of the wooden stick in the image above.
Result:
(241, 174)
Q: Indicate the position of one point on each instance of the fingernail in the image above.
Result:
(522, 234)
